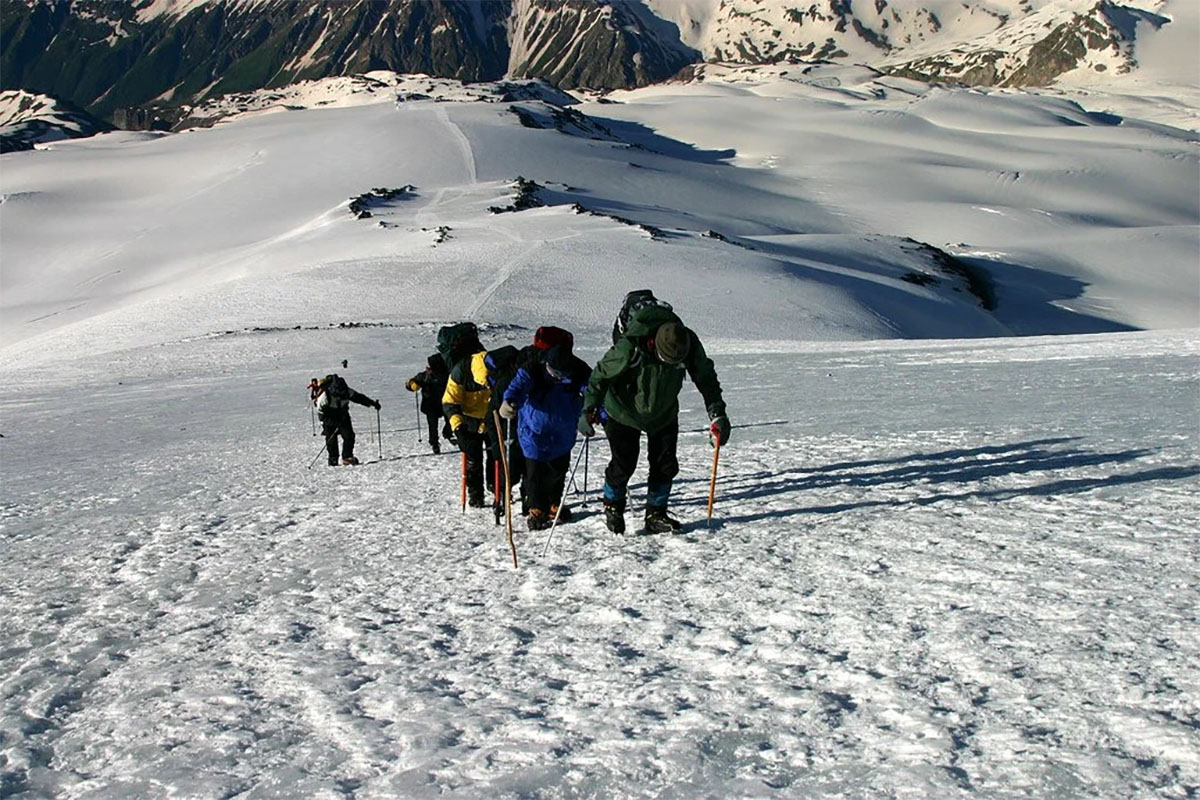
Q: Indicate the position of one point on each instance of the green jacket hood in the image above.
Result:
(646, 321)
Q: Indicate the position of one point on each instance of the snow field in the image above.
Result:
(933, 570)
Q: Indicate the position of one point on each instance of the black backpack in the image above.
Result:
(502, 364)
(634, 302)
(334, 386)
(456, 341)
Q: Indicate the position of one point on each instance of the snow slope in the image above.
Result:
(935, 570)
(1010, 178)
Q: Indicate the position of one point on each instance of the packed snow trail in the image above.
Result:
(949, 567)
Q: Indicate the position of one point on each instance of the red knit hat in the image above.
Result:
(549, 336)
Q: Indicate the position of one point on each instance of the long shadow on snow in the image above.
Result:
(1027, 300)
(956, 454)
(642, 137)
(944, 467)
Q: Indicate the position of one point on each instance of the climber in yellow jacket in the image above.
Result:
(465, 406)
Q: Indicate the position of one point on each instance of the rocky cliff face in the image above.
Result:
(1040, 48)
(108, 55)
(582, 43)
(138, 62)
(28, 119)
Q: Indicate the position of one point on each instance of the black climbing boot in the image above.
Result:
(659, 521)
(614, 516)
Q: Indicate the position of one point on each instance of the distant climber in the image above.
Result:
(332, 398)
(431, 383)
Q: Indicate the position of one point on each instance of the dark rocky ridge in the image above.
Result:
(141, 73)
(28, 119)
(98, 55)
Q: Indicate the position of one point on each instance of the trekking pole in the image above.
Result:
(558, 513)
(464, 483)
(324, 447)
(507, 486)
(379, 433)
(575, 486)
(496, 512)
(587, 440)
(312, 403)
(712, 485)
(417, 405)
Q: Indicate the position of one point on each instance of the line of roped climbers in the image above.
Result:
(552, 395)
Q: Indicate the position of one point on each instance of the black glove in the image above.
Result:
(586, 424)
(720, 429)
(377, 406)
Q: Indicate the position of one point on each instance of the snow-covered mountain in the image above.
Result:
(139, 62)
(29, 119)
(1001, 42)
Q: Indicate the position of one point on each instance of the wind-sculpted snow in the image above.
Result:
(934, 568)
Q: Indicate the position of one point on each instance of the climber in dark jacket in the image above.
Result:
(637, 382)
(502, 364)
(431, 383)
(546, 397)
(332, 399)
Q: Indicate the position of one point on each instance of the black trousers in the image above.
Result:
(544, 482)
(470, 441)
(334, 424)
(434, 420)
(516, 459)
(624, 443)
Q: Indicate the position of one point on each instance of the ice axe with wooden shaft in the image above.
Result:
(712, 485)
